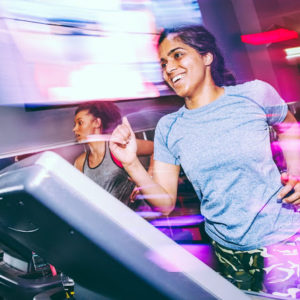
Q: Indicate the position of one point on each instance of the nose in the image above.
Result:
(170, 67)
(74, 128)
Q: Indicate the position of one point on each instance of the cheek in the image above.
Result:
(164, 75)
(197, 72)
(88, 129)
(84, 129)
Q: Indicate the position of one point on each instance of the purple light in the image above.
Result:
(203, 252)
(165, 258)
(178, 221)
(149, 214)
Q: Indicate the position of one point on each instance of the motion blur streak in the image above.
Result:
(66, 51)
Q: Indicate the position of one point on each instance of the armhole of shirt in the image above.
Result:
(115, 160)
(85, 160)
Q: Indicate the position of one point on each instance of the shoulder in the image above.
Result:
(79, 161)
(249, 87)
(261, 92)
(254, 88)
(166, 121)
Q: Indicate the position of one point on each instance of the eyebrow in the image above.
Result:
(81, 117)
(171, 51)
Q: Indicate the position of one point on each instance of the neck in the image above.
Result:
(207, 93)
(97, 148)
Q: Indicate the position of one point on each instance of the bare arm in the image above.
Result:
(161, 190)
(144, 147)
(79, 161)
(289, 139)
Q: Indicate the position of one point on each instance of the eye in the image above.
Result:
(178, 55)
(163, 65)
(80, 123)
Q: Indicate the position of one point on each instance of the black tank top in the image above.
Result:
(111, 177)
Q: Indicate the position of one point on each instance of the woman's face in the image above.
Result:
(184, 69)
(84, 125)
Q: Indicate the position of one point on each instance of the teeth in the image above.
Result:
(176, 78)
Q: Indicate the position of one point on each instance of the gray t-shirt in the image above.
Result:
(224, 150)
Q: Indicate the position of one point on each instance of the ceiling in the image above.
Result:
(278, 12)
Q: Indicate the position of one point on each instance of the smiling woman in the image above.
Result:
(187, 72)
(183, 68)
(220, 138)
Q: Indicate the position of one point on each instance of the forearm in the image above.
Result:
(155, 194)
(151, 166)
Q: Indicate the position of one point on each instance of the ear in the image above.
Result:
(98, 123)
(208, 58)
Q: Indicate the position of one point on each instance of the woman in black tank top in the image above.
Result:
(95, 118)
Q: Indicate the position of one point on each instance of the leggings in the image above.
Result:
(273, 269)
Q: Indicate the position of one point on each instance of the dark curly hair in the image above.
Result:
(199, 38)
(108, 112)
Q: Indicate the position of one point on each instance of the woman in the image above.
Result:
(95, 119)
(220, 137)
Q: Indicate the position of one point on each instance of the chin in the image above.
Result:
(181, 92)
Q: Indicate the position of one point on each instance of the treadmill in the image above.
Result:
(50, 209)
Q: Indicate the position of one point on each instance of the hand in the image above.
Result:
(134, 195)
(291, 189)
(123, 143)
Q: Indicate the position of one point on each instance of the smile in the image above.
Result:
(177, 78)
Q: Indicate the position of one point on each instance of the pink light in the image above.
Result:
(267, 37)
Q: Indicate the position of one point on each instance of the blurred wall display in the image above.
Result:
(68, 51)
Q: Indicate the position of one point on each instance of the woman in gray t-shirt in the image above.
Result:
(220, 137)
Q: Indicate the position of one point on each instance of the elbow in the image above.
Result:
(166, 213)
(166, 209)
